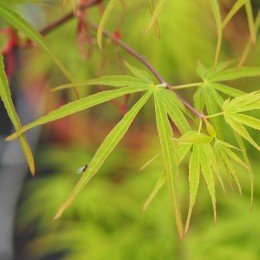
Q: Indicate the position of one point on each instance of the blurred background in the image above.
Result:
(106, 222)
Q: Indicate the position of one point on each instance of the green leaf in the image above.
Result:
(213, 160)
(77, 106)
(217, 15)
(174, 112)
(208, 176)
(227, 90)
(194, 178)
(104, 151)
(230, 167)
(234, 73)
(5, 95)
(161, 181)
(141, 74)
(250, 19)
(169, 156)
(247, 102)
(251, 175)
(198, 97)
(238, 4)
(149, 161)
(15, 20)
(157, 10)
(114, 81)
(247, 120)
(240, 129)
(193, 137)
(110, 6)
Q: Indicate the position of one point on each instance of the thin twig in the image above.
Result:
(54, 25)
(139, 57)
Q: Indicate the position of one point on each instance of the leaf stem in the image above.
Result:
(186, 86)
(214, 115)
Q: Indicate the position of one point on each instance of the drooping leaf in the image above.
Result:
(5, 95)
(217, 15)
(249, 168)
(208, 176)
(114, 81)
(77, 106)
(110, 6)
(194, 177)
(16, 21)
(169, 155)
(104, 151)
(157, 11)
(213, 160)
(161, 181)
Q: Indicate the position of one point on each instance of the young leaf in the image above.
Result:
(157, 10)
(104, 151)
(250, 19)
(110, 6)
(194, 177)
(15, 20)
(234, 73)
(208, 176)
(217, 15)
(169, 155)
(114, 81)
(77, 106)
(238, 4)
(5, 95)
(161, 181)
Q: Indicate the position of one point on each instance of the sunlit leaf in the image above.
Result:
(104, 151)
(169, 156)
(77, 106)
(233, 92)
(114, 81)
(5, 95)
(247, 120)
(156, 24)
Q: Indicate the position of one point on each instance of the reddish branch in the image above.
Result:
(49, 28)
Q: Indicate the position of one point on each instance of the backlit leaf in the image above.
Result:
(250, 19)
